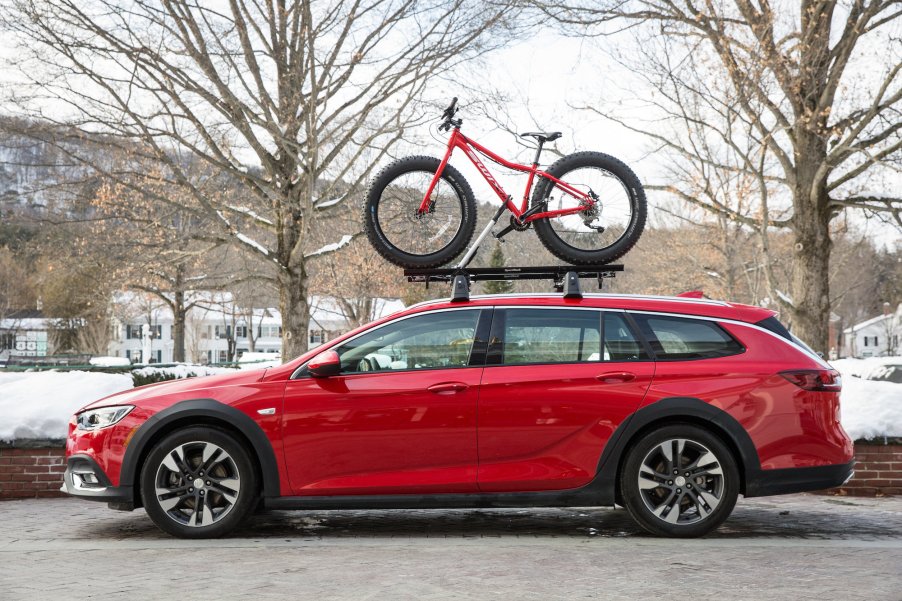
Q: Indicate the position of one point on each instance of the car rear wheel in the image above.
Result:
(680, 481)
(198, 483)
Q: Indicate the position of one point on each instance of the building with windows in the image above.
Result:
(876, 337)
(23, 335)
(218, 331)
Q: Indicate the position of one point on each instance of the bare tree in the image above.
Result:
(296, 102)
(357, 280)
(800, 104)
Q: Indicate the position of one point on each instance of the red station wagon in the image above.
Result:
(671, 407)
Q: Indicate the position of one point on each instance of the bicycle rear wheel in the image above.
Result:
(402, 236)
(613, 226)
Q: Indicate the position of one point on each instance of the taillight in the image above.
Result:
(820, 380)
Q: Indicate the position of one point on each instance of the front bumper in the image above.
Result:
(798, 479)
(85, 479)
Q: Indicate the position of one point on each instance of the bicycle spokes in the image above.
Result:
(411, 231)
(599, 225)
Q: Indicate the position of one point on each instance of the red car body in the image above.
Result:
(489, 434)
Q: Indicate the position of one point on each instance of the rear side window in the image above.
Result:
(686, 338)
(551, 336)
(620, 343)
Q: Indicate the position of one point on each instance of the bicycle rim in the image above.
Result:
(416, 234)
(606, 223)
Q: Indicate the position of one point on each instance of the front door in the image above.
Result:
(399, 418)
(552, 395)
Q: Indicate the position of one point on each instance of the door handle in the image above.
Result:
(448, 388)
(616, 377)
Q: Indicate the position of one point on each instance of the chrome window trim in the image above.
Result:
(746, 324)
(737, 322)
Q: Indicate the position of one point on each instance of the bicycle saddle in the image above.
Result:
(542, 136)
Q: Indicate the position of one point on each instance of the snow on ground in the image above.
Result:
(39, 404)
(184, 370)
(249, 360)
(870, 408)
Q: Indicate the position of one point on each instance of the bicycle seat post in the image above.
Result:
(541, 142)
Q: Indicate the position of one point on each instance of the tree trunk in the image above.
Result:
(810, 286)
(178, 327)
(295, 312)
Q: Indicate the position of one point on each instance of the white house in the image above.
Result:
(876, 337)
(215, 326)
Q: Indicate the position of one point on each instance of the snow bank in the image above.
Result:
(110, 361)
(183, 370)
(39, 404)
(249, 360)
(870, 409)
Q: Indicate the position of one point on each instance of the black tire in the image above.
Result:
(401, 247)
(597, 248)
(705, 499)
(230, 471)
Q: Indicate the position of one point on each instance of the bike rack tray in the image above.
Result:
(565, 277)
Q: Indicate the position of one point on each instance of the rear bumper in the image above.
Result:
(85, 479)
(798, 479)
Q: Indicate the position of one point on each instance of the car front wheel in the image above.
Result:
(679, 481)
(198, 483)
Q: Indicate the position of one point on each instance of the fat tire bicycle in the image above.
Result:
(587, 208)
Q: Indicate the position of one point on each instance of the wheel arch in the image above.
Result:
(200, 412)
(675, 410)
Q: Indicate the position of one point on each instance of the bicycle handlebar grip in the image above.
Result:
(449, 112)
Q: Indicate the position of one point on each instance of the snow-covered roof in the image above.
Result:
(868, 322)
(26, 323)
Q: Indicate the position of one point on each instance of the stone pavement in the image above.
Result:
(797, 547)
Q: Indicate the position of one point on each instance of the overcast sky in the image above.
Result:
(545, 75)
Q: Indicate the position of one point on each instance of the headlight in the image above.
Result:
(103, 417)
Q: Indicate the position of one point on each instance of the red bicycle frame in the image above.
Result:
(471, 147)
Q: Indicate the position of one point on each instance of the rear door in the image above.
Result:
(552, 395)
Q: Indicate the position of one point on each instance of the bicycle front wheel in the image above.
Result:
(399, 233)
(607, 231)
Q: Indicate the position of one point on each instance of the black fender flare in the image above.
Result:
(202, 408)
(673, 409)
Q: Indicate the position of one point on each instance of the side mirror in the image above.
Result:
(326, 364)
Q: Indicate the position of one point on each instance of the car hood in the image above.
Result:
(182, 385)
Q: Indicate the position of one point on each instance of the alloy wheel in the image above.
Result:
(197, 483)
(681, 481)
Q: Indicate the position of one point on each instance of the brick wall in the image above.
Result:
(37, 471)
(878, 471)
(32, 472)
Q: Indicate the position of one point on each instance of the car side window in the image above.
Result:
(620, 343)
(686, 338)
(431, 341)
(551, 336)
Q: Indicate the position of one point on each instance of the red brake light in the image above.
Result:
(820, 380)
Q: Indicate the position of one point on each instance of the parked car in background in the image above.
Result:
(671, 407)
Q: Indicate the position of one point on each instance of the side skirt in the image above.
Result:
(597, 493)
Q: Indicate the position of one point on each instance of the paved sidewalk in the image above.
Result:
(797, 547)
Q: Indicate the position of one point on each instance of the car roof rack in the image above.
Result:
(565, 277)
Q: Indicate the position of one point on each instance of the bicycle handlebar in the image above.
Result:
(448, 116)
(451, 110)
